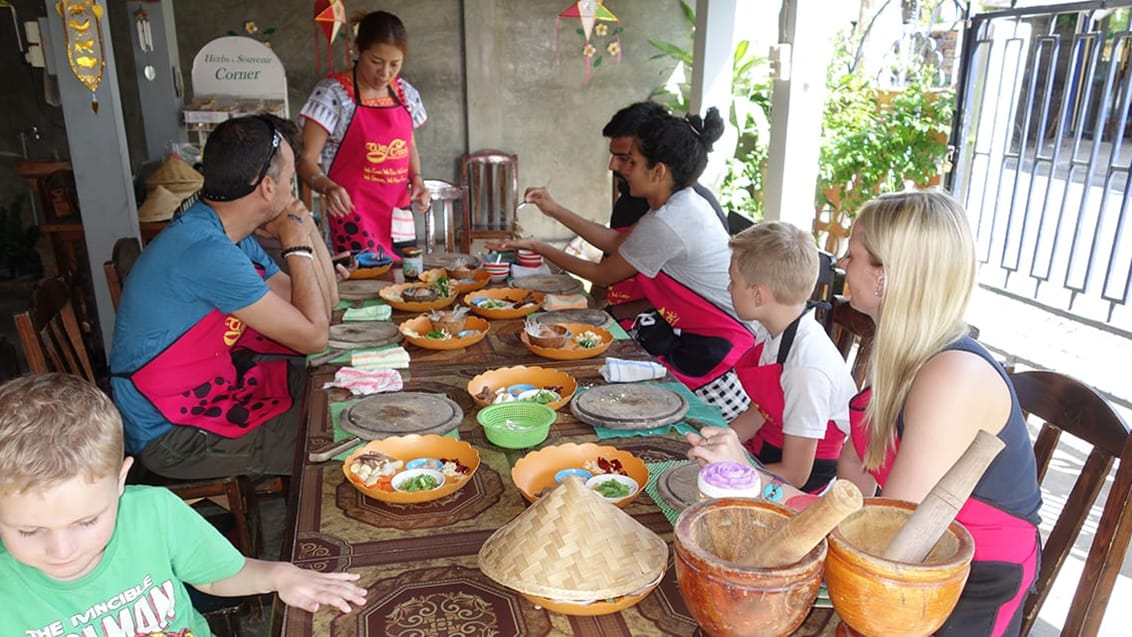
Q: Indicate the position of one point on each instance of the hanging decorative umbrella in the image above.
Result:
(590, 12)
(329, 18)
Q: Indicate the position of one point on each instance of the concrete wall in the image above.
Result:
(544, 113)
(533, 107)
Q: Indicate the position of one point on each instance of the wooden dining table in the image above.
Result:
(419, 562)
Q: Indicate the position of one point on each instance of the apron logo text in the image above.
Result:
(377, 153)
(233, 329)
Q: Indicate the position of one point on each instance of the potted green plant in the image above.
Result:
(742, 187)
(875, 141)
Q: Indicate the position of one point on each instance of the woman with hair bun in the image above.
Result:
(911, 268)
(680, 251)
(359, 151)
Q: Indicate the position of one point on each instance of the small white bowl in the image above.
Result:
(404, 477)
(606, 477)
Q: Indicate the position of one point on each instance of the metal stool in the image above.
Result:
(443, 195)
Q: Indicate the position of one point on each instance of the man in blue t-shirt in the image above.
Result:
(204, 304)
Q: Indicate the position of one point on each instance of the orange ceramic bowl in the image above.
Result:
(522, 375)
(478, 280)
(422, 324)
(370, 273)
(392, 296)
(535, 471)
(514, 295)
(406, 448)
(603, 607)
(572, 351)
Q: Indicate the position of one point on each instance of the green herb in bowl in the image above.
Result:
(612, 489)
(423, 482)
(588, 339)
(442, 287)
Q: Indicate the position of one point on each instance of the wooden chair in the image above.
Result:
(126, 251)
(829, 275)
(490, 179)
(1067, 405)
(52, 342)
(851, 329)
(50, 333)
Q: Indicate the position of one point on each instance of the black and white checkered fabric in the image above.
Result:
(726, 392)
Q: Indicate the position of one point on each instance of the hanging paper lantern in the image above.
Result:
(590, 12)
(329, 18)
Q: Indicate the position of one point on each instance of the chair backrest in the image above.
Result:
(126, 251)
(852, 332)
(50, 333)
(490, 179)
(444, 196)
(1064, 404)
(826, 287)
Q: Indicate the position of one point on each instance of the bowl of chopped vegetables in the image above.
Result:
(503, 303)
(395, 295)
(373, 468)
(414, 480)
(516, 425)
(534, 473)
(586, 341)
(420, 332)
(465, 280)
(613, 486)
(551, 387)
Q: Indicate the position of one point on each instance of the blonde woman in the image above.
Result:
(911, 267)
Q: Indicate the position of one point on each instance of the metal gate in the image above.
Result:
(1043, 165)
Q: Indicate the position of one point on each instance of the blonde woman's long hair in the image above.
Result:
(924, 242)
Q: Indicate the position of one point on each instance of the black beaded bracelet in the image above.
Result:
(293, 249)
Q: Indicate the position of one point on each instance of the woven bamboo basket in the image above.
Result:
(573, 545)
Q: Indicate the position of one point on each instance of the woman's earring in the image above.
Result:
(880, 287)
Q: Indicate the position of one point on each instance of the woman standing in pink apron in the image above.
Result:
(359, 150)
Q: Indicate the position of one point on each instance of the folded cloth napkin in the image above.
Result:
(368, 313)
(362, 382)
(519, 271)
(564, 302)
(391, 357)
(619, 370)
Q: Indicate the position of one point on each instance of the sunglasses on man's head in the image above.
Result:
(276, 139)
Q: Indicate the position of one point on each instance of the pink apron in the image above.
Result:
(700, 319)
(196, 382)
(763, 384)
(372, 164)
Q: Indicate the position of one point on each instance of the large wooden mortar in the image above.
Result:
(727, 598)
(884, 598)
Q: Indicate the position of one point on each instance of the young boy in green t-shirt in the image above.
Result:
(82, 554)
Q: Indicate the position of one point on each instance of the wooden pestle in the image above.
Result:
(793, 539)
(930, 520)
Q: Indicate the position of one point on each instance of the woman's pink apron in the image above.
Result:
(196, 382)
(372, 164)
(695, 316)
(763, 384)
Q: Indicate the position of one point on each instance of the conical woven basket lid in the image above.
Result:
(174, 171)
(573, 545)
(159, 205)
